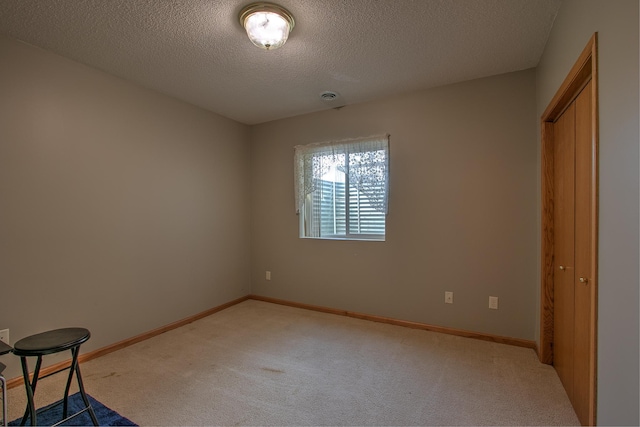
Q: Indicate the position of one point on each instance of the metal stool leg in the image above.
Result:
(92, 414)
(74, 362)
(5, 422)
(31, 389)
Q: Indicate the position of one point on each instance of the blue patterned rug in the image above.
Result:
(52, 414)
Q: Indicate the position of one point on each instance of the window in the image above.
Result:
(342, 188)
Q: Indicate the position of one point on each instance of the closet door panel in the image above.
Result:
(563, 226)
(584, 282)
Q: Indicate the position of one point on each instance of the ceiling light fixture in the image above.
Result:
(268, 25)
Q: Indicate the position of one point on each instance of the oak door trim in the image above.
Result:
(584, 70)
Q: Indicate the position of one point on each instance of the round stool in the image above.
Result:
(49, 343)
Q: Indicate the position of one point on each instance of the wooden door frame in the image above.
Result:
(584, 70)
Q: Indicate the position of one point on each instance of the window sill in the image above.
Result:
(355, 239)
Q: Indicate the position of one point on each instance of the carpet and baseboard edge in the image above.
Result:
(127, 342)
(405, 323)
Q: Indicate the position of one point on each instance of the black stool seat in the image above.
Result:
(4, 348)
(51, 342)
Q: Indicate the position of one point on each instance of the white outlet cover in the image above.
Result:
(448, 297)
(4, 336)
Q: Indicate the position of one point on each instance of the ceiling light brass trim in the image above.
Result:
(266, 7)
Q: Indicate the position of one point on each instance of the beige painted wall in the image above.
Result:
(121, 209)
(618, 323)
(462, 213)
(129, 210)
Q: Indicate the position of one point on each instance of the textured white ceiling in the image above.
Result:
(195, 50)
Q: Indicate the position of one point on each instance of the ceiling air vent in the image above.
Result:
(328, 96)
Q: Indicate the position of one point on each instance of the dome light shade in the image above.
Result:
(268, 25)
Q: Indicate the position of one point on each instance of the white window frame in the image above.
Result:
(370, 181)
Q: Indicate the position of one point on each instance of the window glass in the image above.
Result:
(342, 188)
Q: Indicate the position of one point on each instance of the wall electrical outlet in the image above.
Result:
(493, 303)
(267, 275)
(448, 297)
(4, 336)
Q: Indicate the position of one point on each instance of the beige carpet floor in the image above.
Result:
(258, 363)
